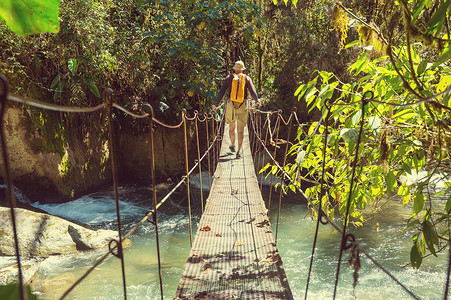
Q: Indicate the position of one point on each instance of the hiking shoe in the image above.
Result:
(232, 148)
(238, 154)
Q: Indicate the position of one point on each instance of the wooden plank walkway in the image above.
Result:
(235, 257)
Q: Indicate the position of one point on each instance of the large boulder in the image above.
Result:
(42, 235)
(8, 269)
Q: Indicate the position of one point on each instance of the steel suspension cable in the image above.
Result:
(54, 107)
(69, 109)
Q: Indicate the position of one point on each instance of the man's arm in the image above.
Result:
(251, 89)
(224, 87)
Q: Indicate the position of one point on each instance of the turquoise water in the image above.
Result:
(389, 245)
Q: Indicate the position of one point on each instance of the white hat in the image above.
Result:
(239, 65)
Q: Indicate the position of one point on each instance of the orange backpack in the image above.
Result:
(237, 91)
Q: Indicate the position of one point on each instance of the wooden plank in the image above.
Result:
(235, 257)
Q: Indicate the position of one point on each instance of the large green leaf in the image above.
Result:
(375, 124)
(72, 64)
(430, 236)
(421, 67)
(418, 202)
(26, 17)
(93, 88)
(415, 257)
(390, 179)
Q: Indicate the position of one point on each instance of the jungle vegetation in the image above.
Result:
(380, 92)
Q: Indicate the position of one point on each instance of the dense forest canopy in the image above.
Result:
(174, 54)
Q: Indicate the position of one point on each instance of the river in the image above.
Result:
(389, 245)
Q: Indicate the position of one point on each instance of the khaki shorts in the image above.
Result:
(238, 115)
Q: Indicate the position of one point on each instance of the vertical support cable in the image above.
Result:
(208, 155)
(218, 148)
(262, 155)
(275, 152)
(256, 133)
(187, 177)
(10, 195)
(200, 164)
(348, 205)
(283, 167)
(109, 105)
(320, 209)
(259, 128)
(154, 189)
(251, 120)
(215, 141)
(254, 143)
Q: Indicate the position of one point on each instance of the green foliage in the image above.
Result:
(298, 40)
(99, 45)
(407, 127)
(185, 42)
(25, 17)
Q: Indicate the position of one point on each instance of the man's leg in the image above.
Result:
(240, 131)
(232, 134)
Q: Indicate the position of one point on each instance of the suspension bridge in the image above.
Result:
(234, 254)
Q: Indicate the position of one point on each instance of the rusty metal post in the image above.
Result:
(154, 189)
(187, 177)
(10, 195)
(109, 106)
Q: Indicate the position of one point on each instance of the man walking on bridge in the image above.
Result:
(238, 86)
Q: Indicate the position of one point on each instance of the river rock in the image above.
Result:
(42, 235)
(9, 273)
